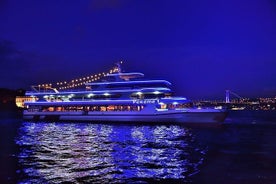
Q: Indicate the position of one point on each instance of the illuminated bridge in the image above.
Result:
(227, 96)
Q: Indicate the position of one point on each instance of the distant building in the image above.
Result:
(19, 100)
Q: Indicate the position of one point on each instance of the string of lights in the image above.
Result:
(78, 82)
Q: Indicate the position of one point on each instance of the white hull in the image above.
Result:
(165, 117)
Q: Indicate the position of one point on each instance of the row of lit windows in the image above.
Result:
(86, 108)
(24, 99)
(108, 96)
(103, 108)
(175, 106)
(137, 85)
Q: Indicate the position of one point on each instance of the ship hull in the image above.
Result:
(173, 117)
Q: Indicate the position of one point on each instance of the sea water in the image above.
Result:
(241, 150)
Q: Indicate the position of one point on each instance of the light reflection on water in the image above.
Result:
(104, 153)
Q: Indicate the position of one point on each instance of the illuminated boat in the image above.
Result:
(120, 97)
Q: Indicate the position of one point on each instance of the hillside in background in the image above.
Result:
(7, 98)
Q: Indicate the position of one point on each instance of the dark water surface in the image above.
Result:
(242, 150)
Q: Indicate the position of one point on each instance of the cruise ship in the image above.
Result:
(119, 97)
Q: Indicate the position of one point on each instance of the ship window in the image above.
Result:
(180, 106)
(51, 109)
(103, 96)
(117, 108)
(168, 95)
(137, 96)
(103, 108)
(110, 108)
(146, 96)
(152, 95)
(34, 108)
(59, 108)
(79, 107)
(87, 108)
(163, 106)
(95, 108)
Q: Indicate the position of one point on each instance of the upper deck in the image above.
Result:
(117, 82)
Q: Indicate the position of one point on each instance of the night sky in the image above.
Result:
(202, 47)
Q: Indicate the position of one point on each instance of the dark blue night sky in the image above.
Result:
(202, 47)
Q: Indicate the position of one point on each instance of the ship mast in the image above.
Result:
(119, 66)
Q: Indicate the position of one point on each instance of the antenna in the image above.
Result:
(119, 66)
